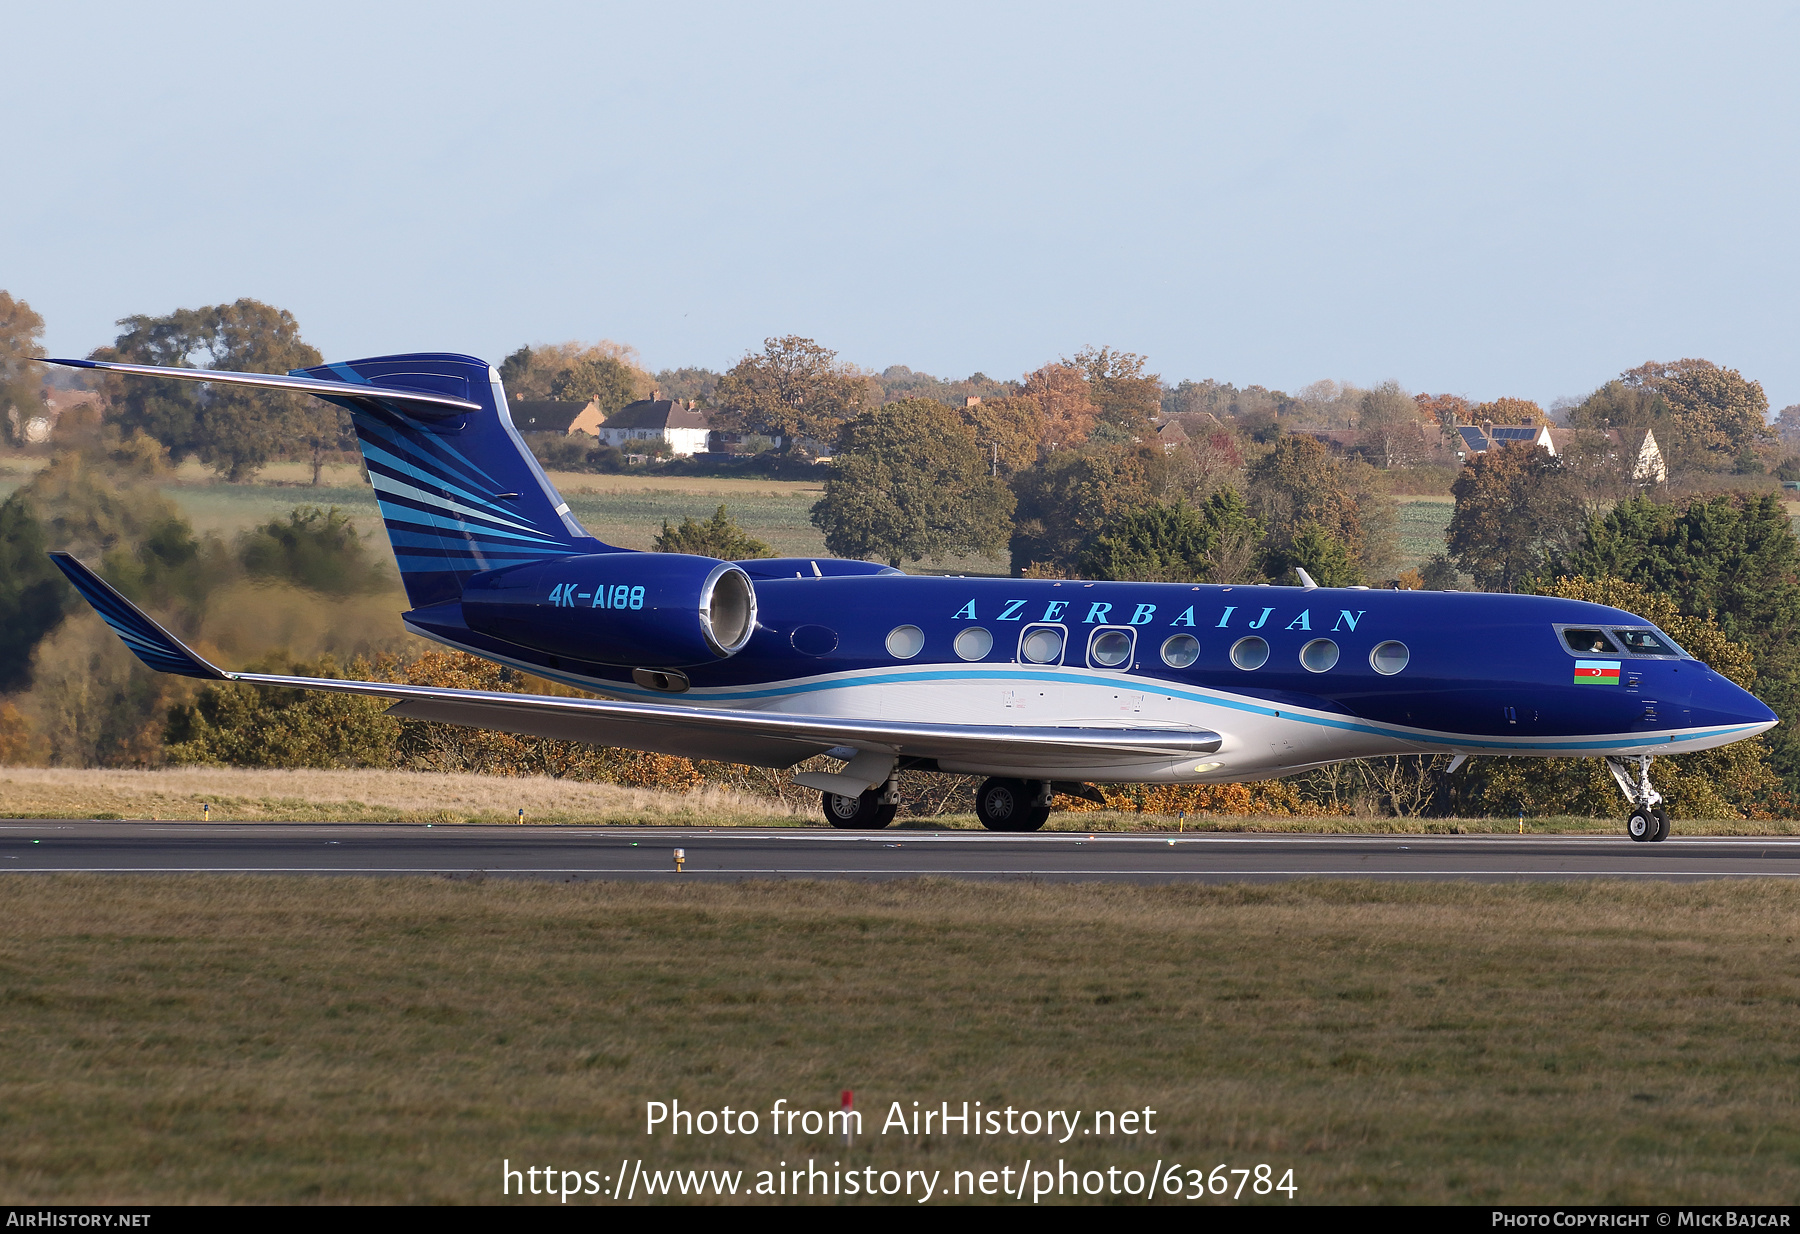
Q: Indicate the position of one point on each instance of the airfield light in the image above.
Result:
(680, 856)
(206, 811)
(521, 814)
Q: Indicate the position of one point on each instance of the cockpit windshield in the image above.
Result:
(1643, 642)
(1588, 642)
(1619, 641)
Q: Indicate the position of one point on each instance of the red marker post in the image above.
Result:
(849, 1103)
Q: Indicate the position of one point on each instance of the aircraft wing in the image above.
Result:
(758, 738)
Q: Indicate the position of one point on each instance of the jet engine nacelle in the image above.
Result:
(648, 610)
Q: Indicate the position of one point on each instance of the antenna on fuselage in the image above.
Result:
(1306, 580)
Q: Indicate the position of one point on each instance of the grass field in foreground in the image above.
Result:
(242, 1039)
(244, 794)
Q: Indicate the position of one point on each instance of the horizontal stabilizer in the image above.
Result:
(151, 643)
(419, 402)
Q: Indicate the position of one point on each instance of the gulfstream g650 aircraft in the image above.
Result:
(1041, 686)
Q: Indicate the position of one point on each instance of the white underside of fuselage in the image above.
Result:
(1260, 739)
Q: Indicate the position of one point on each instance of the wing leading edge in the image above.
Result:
(766, 739)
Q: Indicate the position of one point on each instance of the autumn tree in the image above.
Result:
(1516, 510)
(1521, 411)
(719, 536)
(1719, 414)
(20, 332)
(233, 429)
(1071, 496)
(1444, 410)
(909, 481)
(1299, 483)
(1625, 406)
(794, 388)
(1787, 427)
(1010, 429)
(1122, 392)
(535, 373)
(1388, 428)
(1063, 398)
(1203, 464)
(605, 380)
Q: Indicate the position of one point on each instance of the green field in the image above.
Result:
(1422, 523)
(177, 1039)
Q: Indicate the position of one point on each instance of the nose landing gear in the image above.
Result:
(1649, 821)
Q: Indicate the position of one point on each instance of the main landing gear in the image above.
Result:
(1649, 821)
(870, 812)
(1002, 805)
(1013, 805)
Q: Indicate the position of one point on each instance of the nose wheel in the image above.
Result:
(1649, 821)
(1013, 805)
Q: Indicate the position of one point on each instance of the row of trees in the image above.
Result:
(1707, 418)
(916, 479)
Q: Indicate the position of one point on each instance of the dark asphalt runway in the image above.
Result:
(586, 853)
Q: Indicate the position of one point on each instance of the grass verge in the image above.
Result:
(242, 1039)
(245, 794)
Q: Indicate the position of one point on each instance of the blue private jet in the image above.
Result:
(1040, 686)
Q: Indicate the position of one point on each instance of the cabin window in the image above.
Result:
(1319, 656)
(905, 642)
(1586, 641)
(1111, 648)
(1180, 650)
(1389, 658)
(974, 643)
(1042, 645)
(1250, 653)
(1641, 642)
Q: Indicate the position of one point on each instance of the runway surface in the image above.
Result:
(585, 853)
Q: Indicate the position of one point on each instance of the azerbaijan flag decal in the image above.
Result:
(1596, 672)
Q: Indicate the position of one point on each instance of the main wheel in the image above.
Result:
(1641, 826)
(864, 813)
(1005, 805)
(1662, 824)
(1035, 818)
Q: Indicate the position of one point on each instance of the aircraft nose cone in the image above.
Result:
(1735, 705)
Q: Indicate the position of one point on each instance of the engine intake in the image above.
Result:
(649, 610)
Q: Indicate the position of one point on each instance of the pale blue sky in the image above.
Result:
(1510, 199)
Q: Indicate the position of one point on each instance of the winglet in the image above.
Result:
(151, 643)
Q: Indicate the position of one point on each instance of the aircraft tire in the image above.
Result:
(864, 813)
(1662, 825)
(1005, 805)
(1641, 826)
(1035, 819)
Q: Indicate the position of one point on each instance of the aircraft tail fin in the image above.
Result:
(459, 490)
(152, 644)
